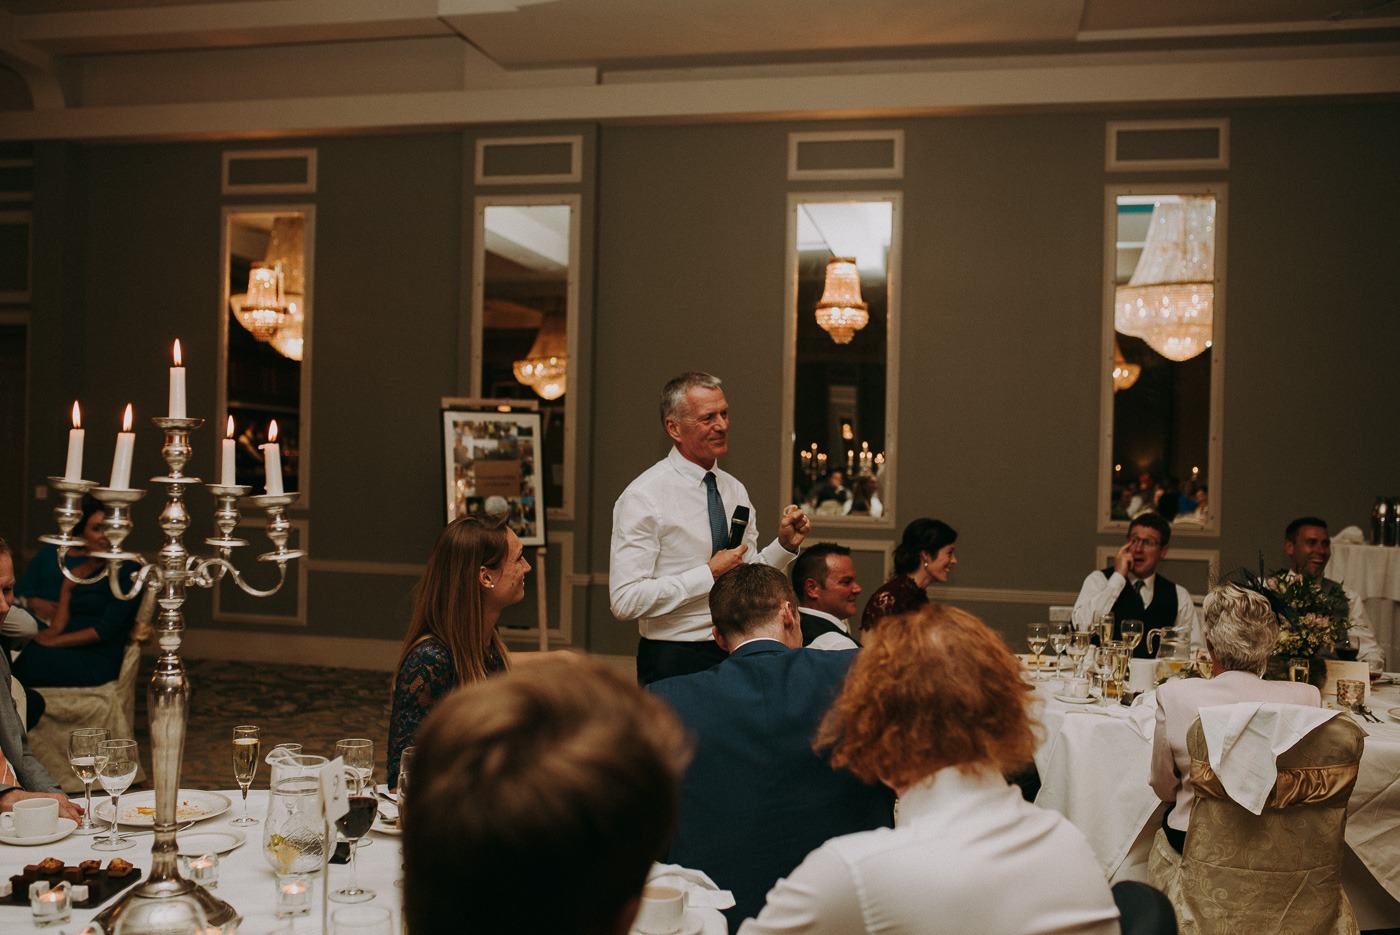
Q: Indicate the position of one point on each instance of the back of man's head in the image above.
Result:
(748, 598)
(538, 801)
(812, 565)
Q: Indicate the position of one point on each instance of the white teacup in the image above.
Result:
(31, 818)
(1076, 687)
(661, 911)
(1142, 674)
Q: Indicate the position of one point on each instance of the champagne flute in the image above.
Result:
(82, 756)
(358, 754)
(247, 744)
(1106, 627)
(1103, 667)
(116, 768)
(1059, 641)
(1079, 643)
(1037, 634)
(1121, 655)
(1131, 631)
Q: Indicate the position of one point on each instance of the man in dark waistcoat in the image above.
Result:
(824, 578)
(1308, 545)
(1132, 589)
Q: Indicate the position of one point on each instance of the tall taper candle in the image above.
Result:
(227, 470)
(74, 468)
(177, 385)
(272, 461)
(121, 461)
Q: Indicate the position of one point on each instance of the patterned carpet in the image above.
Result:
(311, 705)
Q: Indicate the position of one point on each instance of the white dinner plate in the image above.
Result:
(383, 827)
(691, 924)
(65, 828)
(1070, 699)
(209, 842)
(1394, 714)
(139, 808)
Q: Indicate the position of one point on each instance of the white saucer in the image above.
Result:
(1070, 699)
(1394, 714)
(691, 924)
(65, 828)
(209, 842)
(383, 827)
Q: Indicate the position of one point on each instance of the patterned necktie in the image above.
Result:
(719, 537)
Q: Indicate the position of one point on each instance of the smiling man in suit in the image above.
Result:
(757, 798)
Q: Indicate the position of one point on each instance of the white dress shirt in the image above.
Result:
(1098, 594)
(660, 574)
(831, 640)
(967, 855)
(1359, 628)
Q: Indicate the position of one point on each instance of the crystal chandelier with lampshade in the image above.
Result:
(274, 307)
(1170, 300)
(842, 312)
(1125, 374)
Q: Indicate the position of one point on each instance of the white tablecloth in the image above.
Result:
(246, 880)
(1373, 571)
(1094, 770)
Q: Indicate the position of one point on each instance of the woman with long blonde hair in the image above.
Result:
(477, 569)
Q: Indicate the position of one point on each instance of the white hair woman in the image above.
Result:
(1241, 631)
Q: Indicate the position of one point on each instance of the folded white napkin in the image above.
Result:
(1244, 740)
(1350, 534)
(700, 890)
(1141, 717)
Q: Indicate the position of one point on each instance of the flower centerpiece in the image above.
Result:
(1315, 619)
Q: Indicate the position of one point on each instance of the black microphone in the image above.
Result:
(737, 527)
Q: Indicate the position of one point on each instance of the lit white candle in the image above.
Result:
(272, 461)
(227, 471)
(74, 468)
(121, 461)
(177, 385)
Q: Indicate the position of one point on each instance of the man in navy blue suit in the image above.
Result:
(757, 798)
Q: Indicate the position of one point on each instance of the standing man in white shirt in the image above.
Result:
(670, 533)
(1308, 545)
(1133, 590)
(824, 578)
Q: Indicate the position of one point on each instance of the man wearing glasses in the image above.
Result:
(1133, 590)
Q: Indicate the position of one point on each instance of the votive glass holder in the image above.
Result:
(203, 869)
(50, 905)
(1299, 668)
(1350, 693)
(293, 895)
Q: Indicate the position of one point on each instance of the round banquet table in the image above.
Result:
(1094, 765)
(246, 880)
(1373, 572)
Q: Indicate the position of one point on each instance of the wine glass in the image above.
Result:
(358, 755)
(116, 768)
(1079, 643)
(1059, 641)
(82, 756)
(405, 763)
(362, 920)
(1131, 632)
(246, 747)
(1037, 634)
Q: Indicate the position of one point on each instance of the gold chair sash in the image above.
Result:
(1296, 785)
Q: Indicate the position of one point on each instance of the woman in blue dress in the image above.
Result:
(84, 628)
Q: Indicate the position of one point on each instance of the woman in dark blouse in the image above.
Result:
(924, 555)
(85, 626)
(476, 569)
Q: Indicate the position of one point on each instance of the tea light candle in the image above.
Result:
(177, 385)
(74, 468)
(272, 461)
(50, 906)
(227, 469)
(293, 896)
(121, 460)
(203, 870)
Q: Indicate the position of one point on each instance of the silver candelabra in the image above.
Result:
(173, 570)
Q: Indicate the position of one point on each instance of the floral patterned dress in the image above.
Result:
(897, 596)
(425, 676)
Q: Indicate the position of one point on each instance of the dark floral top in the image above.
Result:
(898, 595)
(425, 676)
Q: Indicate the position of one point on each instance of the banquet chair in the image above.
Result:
(111, 705)
(1143, 909)
(1279, 871)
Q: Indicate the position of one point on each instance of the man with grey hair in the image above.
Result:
(671, 530)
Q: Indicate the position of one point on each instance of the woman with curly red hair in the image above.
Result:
(935, 708)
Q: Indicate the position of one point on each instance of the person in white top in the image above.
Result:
(935, 707)
(670, 531)
(1132, 589)
(1308, 546)
(824, 579)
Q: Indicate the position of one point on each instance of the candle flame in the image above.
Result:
(272, 431)
(77, 416)
(126, 419)
(179, 361)
(229, 433)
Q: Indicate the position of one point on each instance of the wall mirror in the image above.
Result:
(266, 332)
(525, 309)
(1163, 356)
(839, 412)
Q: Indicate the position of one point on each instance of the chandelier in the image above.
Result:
(841, 311)
(545, 368)
(1124, 373)
(274, 307)
(1170, 300)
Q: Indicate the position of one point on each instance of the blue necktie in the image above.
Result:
(719, 536)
